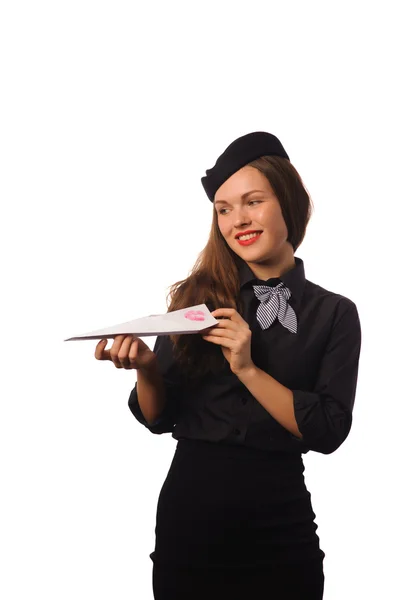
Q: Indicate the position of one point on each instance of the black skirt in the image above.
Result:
(234, 521)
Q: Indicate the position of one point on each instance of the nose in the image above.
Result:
(241, 217)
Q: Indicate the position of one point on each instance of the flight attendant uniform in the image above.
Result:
(234, 516)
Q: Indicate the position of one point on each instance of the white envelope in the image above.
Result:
(186, 320)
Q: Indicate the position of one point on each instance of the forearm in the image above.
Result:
(150, 393)
(277, 399)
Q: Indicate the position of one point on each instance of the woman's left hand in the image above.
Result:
(234, 336)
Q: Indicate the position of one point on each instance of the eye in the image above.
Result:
(222, 209)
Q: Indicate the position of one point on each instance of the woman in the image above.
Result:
(275, 378)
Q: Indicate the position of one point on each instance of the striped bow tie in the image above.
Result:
(273, 303)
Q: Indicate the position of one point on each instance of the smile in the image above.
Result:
(249, 239)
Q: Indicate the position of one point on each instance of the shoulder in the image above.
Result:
(333, 303)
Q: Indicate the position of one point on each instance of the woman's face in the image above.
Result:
(246, 202)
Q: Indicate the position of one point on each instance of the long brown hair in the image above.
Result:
(214, 278)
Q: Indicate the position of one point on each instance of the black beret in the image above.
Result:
(240, 152)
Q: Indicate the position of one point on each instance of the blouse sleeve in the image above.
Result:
(173, 389)
(324, 416)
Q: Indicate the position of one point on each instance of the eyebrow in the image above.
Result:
(243, 196)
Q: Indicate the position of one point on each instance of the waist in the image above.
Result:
(268, 459)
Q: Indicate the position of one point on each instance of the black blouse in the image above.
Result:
(319, 363)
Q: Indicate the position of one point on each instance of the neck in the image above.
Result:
(273, 266)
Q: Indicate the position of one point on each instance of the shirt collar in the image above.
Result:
(294, 279)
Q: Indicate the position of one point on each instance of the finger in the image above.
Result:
(124, 352)
(100, 353)
(134, 348)
(227, 324)
(223, 333)
(228, 343)
(116, 346)
(231, 313)
(223, 312)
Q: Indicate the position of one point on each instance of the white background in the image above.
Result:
(110, 114)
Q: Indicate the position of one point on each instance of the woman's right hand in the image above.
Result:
(127, 352)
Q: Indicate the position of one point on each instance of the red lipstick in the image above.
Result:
(250, 241)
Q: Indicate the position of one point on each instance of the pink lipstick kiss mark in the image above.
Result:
(195, 315)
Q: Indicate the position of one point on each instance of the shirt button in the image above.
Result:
(237, 431)
(244, 400)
